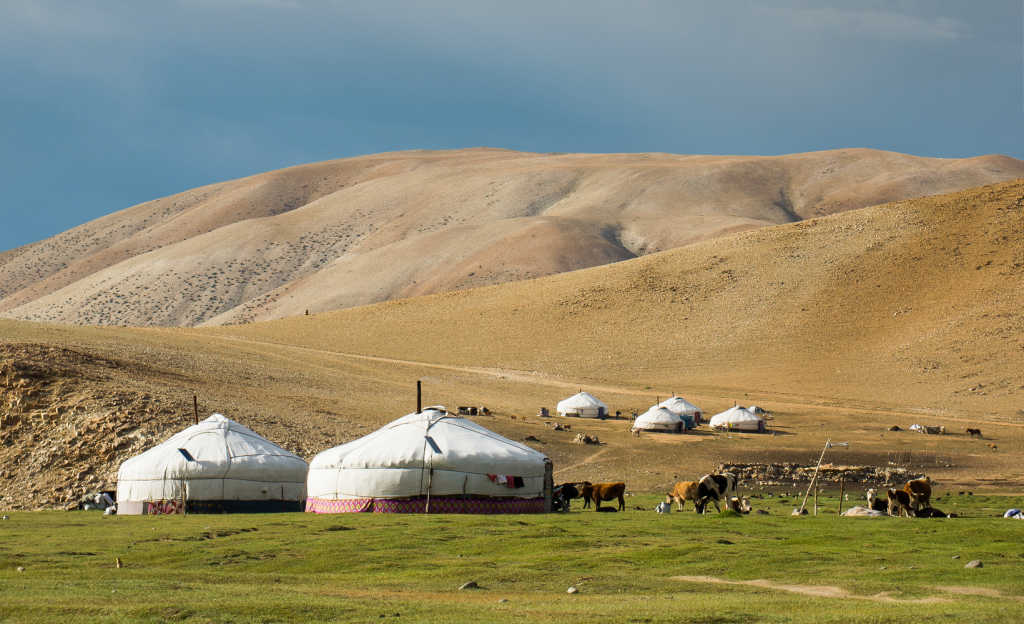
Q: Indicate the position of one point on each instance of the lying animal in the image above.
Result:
(877, 504)
(682, 492)
(861, 510)
(920, 491)
(598, 492)
(974, 432)
(899, 503)
(929, 512)
(740, 505)
(663, 507)
(714, 487)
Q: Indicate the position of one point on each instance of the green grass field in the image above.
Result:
(362, 568)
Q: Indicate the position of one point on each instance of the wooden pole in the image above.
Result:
(195, 408)
(816, 500)
(814, 479)
(842, 491)
(419, 396)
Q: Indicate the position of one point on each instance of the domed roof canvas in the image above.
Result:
(430, 453)
(659, 419)
(217, 459)
(679, 405)
(737, 418)
(582, 404)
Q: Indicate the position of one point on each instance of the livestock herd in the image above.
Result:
(912, 501)
(710, 489)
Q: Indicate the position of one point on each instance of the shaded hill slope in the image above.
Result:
(356, 231)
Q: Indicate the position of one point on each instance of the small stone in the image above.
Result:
(974, 563)
(21, 568)
(572, 590)
(956, 556)
(882, 568)
(469, 585)
(503, 601)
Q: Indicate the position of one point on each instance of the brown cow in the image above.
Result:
(682, 492)
(598, 492)
(899, 503)
(920, 492)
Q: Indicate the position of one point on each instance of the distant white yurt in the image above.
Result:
(679, 405)
(659, 419)
(430, 462)
(215, 466)
(584, 405)
(737, 419)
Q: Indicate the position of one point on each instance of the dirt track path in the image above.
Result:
(534, 377)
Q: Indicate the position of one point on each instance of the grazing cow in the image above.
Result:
(920, 492)
(572, 490)
(875, 503)
(682, 492)
(598, 492)
(713, 488)
(899, 503)
(974, 432)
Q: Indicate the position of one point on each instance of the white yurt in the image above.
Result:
(584, 405)
(429, 462)
(679, 405)
(737, 419)
(215, 466)
(659, 419)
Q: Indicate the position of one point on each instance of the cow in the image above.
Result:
(899, 503)
(929, 512)
(875, 503)
(920, 492)
(740, 505)
(974, 432)
(572, 490)
(682, 492)
(713, 488)
(598, 492)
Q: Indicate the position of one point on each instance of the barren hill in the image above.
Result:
(911, 312)
(361, 230)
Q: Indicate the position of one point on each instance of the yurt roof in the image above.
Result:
(679, 405)
(657, 416)
(447, 442)
(215, 448)
(580, 400)
(734, 415)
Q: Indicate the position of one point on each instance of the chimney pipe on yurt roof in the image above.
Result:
(419, 396)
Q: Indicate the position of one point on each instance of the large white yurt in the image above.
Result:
(679, 405)
(584, 405)
(214, 466)
(737, 419)
(429, 462)
(659, 419)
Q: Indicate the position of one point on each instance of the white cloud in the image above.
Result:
(875, 23)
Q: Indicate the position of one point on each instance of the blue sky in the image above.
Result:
(107, 104)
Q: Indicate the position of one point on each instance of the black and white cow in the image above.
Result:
(713, 488)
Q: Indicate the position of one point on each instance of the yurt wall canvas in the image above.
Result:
(583, 405)
(659, 419)
(737, 419)
(429, 462)
(217, 465)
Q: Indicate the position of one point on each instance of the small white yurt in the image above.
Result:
(679, 405)
(584, 405)
(737, 419)
(215, 466)
(659, 419)
(429, 462)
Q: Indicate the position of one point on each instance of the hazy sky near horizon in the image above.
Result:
(109, 104)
